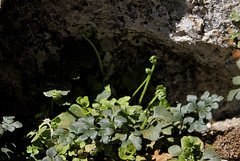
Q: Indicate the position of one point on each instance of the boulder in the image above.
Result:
(186, 35)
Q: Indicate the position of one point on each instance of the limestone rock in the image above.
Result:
(186, 35)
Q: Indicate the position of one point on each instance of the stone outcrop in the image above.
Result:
(186, 35)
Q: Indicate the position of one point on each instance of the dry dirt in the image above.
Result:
(224, 138)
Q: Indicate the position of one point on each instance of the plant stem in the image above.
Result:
(139, 87)
(147, 83)
(151, 102)
(145, 121)
(98, 56)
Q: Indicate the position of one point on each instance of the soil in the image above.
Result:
(224, 138)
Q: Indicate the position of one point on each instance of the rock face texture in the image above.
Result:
(186, 36)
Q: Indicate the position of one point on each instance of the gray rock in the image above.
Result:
(186, 35)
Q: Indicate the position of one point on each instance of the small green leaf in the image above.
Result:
(131, 149)
(123, 100)
(234, 16)
(92, 134)
(105, 94)
(119, 136)
(76, 110)
(174, 150)
(153, 132)
(208, 154)
(122, 152)
(83, 101)
(236, 80)
(104, 123)
(108, 131)
(51, 153)
(136, 140)
(161, 112)
(8, 119)
(153, 59)
(105, 139)
(188, 120)
(232, 93)
(192, 98)
(119, 120)
(83, 137)
(38, 134)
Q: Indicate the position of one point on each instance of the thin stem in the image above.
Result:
(98, 56)
(147, 83)
(139, 87)
(152, 101)
(145, 121)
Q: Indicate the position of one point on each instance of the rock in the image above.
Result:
(186, 35)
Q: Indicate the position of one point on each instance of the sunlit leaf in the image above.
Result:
(153, 132)
(51, 152)
(161, 112)
(123, 100)
(119, 120)
(104, 94)
(109, 131)
(192, 98)
(174, 150)
(122, 154)
(232, 94)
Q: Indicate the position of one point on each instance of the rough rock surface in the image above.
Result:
(186, 35)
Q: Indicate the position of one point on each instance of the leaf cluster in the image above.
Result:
(191, 149)
(118, 130)
(8, 124)
(195, 115)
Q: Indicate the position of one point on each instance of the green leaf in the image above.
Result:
(108, 131)
(122, 152)
(232, 93)
(161, 112)
(136, 140)
(238, 95)
(197, 125)
(51, 153)
(238, 44)
(153, 132)
(236, 80)
(6, 151)
(167, 129)
(119, 136)
(188, 120)
(8, 119)
(86, 111)
(119, 120)
(234, 16)
(76, 110)
(58, 158)
(108, 113)
(92, 134)
(174, 150)
(83, 137)
(153, 59)
(104, 123)
(191, 142)
(66, 119)
(192, 98)
(104, 94)
(131, 149)
(105, 139)
(83, 101)
(38, 134)
(208, 154)
(123, 100)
